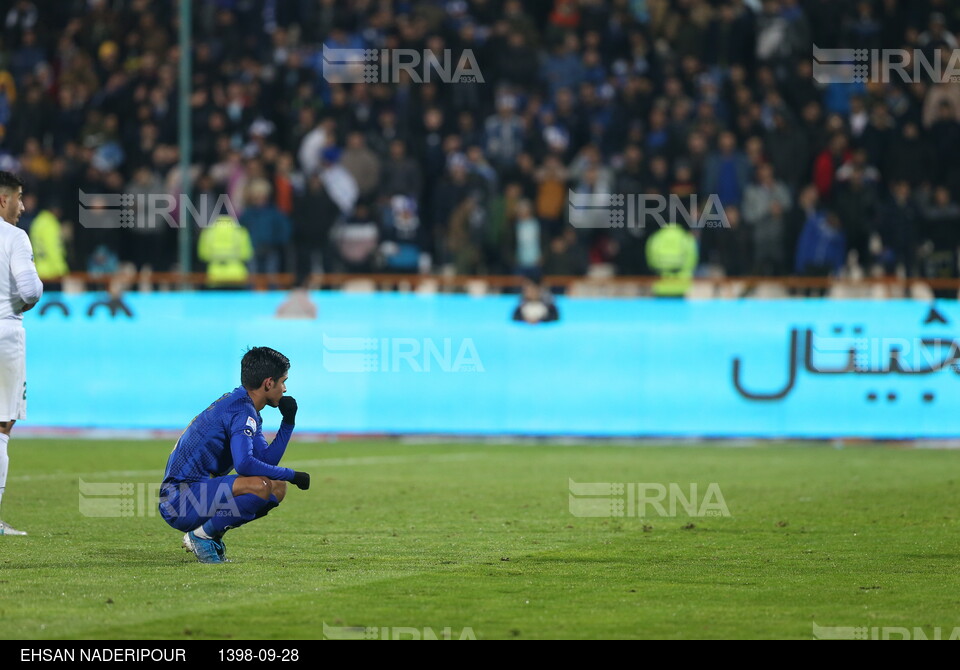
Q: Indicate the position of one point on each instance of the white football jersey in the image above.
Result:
(16, 257)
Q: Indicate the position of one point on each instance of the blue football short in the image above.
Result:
(188, 505)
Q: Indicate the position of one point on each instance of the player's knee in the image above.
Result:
(258, 486)
(262, 488)
(279, 490)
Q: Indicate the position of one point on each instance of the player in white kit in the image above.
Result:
(20, 289)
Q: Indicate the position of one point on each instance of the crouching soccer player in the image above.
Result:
(197, 496)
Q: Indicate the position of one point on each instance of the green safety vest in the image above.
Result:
(672, 252)
(225, 247)
(49, 253)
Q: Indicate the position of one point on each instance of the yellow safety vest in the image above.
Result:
(49, 253)
(672, 253)
(225, 247)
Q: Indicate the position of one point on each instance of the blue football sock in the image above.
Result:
(243, 510)
(272, 502)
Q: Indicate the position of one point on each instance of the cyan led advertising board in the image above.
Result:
(400, 363)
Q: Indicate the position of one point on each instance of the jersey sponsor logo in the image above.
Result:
(251, 426)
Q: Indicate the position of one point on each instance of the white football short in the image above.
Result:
(13, 371)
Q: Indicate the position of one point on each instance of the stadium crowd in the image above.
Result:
(649, 97)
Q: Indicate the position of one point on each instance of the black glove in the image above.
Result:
(301, 480)
(288, 409)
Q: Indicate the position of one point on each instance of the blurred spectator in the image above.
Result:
(766, 204)
(362, 164)
(908, 157)
(27, 57)
(728, 250)
(47, 238)
(452, 191)
(270, 230)
(937, 35)
(536, 305)
(286, 181)
(225, 247)
(807, 205)
(858, 161)
(403, 239)
(150, 240)
(946, 130)
(314, 142)
(314, 215)
(822, 248)
(298, 304)
(856, 204)
(878, 135)
(672, 253)
(356, 240)
(563, 67)
(551, 197)
(638, 97)
(401, 173)
(565, 256)
(103, 261)
(730, 37)
(863, 30)
(727, 171)
(502, 241)
(941, 234)
(897, 227)
(337, 180)
(858, 117)
(789, 150)
(780, 35)
(504, 133)
(628, 178)
(800, 90)
(831, 159)
(528, 249)
(21, 18)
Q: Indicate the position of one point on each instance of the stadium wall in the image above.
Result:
(454, 364)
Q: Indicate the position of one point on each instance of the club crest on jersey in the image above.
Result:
(251, 427)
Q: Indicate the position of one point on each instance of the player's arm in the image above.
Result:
(245, 462)
(24, 272)
(274, 452)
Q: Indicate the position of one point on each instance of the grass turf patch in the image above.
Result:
(481, 537)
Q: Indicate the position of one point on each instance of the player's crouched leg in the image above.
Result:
(271, 491)
(277, 493)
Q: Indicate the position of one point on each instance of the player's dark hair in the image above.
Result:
(9, 181)
(260, 363)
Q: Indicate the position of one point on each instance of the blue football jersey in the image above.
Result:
(226, 436)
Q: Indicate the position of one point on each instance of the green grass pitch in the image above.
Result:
(481, 537)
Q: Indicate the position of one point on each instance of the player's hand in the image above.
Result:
(27, 307)
(288, 409)
(301, 480)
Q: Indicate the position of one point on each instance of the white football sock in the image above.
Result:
(4, 463)
(199, 532)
